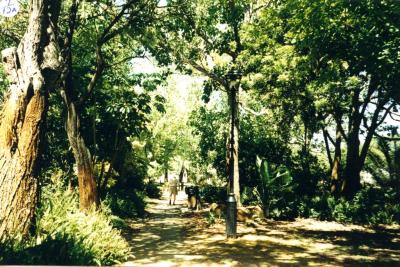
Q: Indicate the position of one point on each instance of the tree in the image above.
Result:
(342, 58)
(204, 36)
(130, 18)
(362, 52)
(170, 138)
(32, 70)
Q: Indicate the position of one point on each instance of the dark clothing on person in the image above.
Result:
(193, 196)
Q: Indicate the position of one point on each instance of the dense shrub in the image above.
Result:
(126, 203)
(153, 190)
(212, 194)
(249, 196)
(66, 236)
(369, 206)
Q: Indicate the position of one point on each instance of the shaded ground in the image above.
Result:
(173, 236)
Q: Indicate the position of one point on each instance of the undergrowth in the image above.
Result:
(65, 236)
(370, 205)
(126, 203)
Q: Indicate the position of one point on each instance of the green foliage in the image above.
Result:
(275, 188)
(153, 190)
(383, 162)
(249, 196)
(211, 218)
(66, 236)
(369, 206)
(307, 66)
(169, 141)
(210, 124)
(3, 83)
(126, 203)
(213, 194)
(319, 65)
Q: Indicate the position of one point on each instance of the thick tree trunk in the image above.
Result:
(351, 179)
(32, 70)
(355, 158)
(352, 182)
(234, 143)
(88, 197)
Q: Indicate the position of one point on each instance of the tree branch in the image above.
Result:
(328, 150)
(372, 129)
(207, 72)
(387, 111)
(387, 137)
(391, 114)
(340, 127)
(125, 60)
(255, 113)
(367, 99)
(96, 76)
(107, 34)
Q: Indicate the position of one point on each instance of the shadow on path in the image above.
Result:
(173, 236)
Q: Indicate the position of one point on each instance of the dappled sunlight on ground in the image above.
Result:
(173, 236)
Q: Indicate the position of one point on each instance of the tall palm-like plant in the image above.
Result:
(383, 163)
(275, 183)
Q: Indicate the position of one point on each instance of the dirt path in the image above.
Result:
(173, 236)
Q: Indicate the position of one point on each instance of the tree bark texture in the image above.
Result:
(32, 69)
(88, 195)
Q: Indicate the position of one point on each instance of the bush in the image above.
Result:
(152, 190)
(249, 196)
(66, 236)
(212, 194)
(275, 191)
(369, 206)
(126, 203)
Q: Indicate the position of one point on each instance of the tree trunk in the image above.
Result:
(234, 143)
(88, 197)
(352, 182)
(335, 172)
(325, 134)
(32, 70)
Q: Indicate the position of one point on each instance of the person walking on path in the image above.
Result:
(173, 190)
(182, 176)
